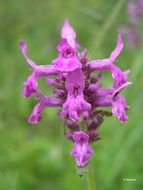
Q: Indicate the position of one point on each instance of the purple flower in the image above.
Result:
(30, 86)
(78, 92)
(118, 101)
(45, 101)
(111, 97)
(120, 79)
(81, 150)
(67, 59)
(119, 108)
(75, 103)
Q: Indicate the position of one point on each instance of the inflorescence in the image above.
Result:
(78, 92)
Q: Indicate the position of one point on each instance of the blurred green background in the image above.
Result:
(37, 157)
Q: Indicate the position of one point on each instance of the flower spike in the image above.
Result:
(78, 92)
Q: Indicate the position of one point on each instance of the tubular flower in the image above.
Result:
(67, 59)
(75, 103)
(77, 91)
(81, 150)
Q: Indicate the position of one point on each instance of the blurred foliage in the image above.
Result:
(38, 157)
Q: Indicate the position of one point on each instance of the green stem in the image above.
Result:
(91, 180)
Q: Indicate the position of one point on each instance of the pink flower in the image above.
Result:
(81, 150)
(78, 92)
(75, 103)
(67, 59)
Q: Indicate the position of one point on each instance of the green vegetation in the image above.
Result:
(37, 157)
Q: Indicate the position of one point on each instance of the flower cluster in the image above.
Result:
(78, 92)
(133, 32)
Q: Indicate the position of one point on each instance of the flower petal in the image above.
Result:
(42, 70)
(105, 64)
(75, 103)
(30, 86)
(119, 77)
(45, 101)
(81, 150)
(23, 47)
(35, 116)
(119, 108)
(68, 33)
(75, 79)
(67, 59)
